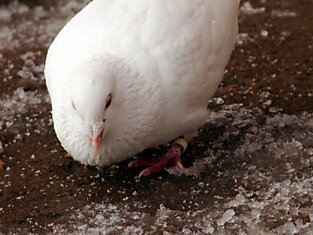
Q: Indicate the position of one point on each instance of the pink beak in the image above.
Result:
(97, 136)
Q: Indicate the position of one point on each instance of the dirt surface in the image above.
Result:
(251, 166)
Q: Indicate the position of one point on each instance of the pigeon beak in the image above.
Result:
(97, 136)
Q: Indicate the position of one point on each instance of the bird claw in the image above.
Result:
(150, 170)
(158, 164)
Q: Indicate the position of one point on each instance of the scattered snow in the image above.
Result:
(264, 33)
(283, 13)
(5, 15)
(105, 219)
(38, 24)
(237, 201)
(248, 9)
(30, 70)
(19, 103)
(243, 38)
(227, 216)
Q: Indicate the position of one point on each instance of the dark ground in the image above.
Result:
(255, 154)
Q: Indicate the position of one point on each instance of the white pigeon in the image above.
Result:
(127, 75)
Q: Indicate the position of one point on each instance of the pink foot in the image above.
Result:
(160, 163)
(145, 162)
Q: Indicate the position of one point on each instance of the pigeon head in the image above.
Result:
(92, 100)
(105, 110)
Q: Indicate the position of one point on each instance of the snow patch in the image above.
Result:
(248, 9)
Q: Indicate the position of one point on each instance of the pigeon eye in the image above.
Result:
(109, 101)
(73, 105)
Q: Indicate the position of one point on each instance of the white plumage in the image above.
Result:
(161, 60)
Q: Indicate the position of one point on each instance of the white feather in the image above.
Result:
(161, 59)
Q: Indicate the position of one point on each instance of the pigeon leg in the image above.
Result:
(159, 164)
